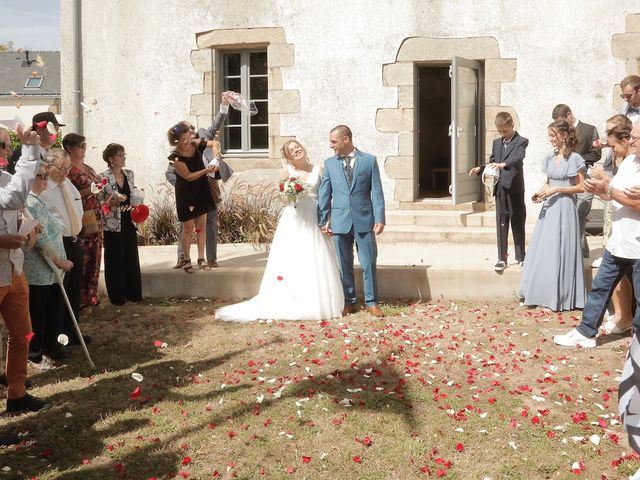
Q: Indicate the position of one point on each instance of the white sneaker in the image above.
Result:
(635, 476)
(574, 339)
(610, 327)
(596, 263)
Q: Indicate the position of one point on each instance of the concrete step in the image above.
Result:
(444, 205)
(437, 234)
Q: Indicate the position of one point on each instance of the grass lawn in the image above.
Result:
(438, 390)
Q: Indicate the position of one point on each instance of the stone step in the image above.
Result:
(441, 218)
(443, 234)
(445, 205)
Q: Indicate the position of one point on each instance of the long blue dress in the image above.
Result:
(553, 274)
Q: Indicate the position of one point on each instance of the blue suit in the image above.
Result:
(353, 211)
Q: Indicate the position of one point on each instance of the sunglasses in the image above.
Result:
(42, 176)
(181, 128)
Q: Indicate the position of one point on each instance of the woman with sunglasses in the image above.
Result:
(194, 198)
(90, 238)
(44, 295)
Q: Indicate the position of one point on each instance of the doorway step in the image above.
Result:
(428, 222)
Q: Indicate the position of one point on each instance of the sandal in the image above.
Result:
(186, 265)
(180, 263)
(213, 264)
(202, 265)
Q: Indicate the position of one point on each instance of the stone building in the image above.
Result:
(419, 81)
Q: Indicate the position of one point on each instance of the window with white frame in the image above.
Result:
(33, 82)
(245, 72)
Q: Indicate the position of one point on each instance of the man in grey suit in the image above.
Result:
(587, 134)
(630, 87)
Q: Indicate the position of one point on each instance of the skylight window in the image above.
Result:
(34, 82)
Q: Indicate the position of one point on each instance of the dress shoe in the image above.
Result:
(28, 403)
(4, 381)
(348, 308)
(7, 439)
(375, 311)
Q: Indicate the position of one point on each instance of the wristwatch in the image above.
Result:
(610, 192)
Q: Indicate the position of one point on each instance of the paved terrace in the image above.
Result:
(405, 271)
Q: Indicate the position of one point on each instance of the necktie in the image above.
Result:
(633, 111)
(348, 169)
(75, 225)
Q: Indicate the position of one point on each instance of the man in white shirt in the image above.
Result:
(14, 291)
(630, 87)
(622, 253)
(64, 201)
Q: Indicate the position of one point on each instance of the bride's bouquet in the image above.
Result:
(291, 188)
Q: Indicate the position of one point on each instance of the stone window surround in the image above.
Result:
(281, 102)
(400, 120)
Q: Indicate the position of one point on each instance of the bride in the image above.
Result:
(301, 280)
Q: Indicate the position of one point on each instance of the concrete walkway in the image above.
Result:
(406, 270)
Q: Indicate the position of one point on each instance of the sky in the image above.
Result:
(31, 24)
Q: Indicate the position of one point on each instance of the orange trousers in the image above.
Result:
(14, 308)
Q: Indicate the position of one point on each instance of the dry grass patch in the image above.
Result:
(463, 391)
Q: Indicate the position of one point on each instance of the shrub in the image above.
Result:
(248, 213)
(161, 228)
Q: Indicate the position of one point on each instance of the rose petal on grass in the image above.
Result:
(357, 459)
(185, 461)
(137, 377)
(63, 339)
(135, 394)
(306, 459)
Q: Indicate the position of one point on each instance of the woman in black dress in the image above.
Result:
(193, 193)
(121, 263)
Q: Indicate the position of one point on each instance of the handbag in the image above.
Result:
(89, 223)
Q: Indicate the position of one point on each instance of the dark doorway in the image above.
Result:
(434, 143)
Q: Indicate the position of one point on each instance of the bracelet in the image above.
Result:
(610, 193)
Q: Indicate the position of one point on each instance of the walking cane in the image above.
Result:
(58, 278)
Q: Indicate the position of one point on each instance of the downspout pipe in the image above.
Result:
(76, 59)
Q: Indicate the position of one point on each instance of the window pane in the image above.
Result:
(258, 88)
(259, 137)
(263, 114)
(232, 138)
(235, 116)
(231, 64)
(232, 84)
(258, 63)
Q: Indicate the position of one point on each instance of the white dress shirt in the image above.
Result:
(53, 199)
(624, 240)
(352, 159)
(14, 191)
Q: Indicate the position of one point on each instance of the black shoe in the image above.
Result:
(74, 340)
(55, 354)
(8, 439)
(28, 403)
(3, 381)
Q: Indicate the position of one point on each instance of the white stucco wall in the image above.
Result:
(138, 78)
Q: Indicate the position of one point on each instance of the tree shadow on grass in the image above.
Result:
(87, 408)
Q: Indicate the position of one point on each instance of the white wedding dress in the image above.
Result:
(302, 279)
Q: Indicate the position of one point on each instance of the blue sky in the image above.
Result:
(32, 24)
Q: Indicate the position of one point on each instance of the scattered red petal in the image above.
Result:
(357, 459)
(186, 461)
(135, 394)
(306, 459)
(459, 447)
(29, 336)
(279, 278)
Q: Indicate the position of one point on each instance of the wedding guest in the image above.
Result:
(586, 134)
(194, 198)
(44, 124)
(45, 301)
(630, 88)
(301, 280)
(14, 291)
(629, 397)
(507, 155)
(121, 263)
(621, 306)
(623, 249)
(211, 238)
(553, 273)
(64, 202)
(81, 176)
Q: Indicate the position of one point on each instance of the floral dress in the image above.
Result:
(90, 244)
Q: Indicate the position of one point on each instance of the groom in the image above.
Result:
(352, 191)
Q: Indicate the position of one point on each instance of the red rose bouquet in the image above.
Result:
(291, 188)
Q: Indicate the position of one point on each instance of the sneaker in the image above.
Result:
(574, 339)
(596, 263)
(610, 327)
(500, 266)
(28, 403)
